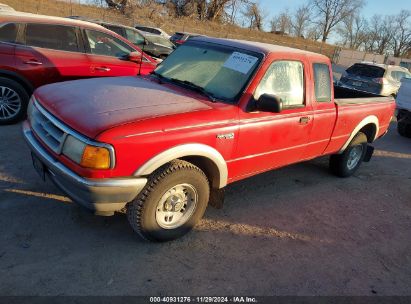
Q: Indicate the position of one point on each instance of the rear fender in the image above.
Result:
(372, 119)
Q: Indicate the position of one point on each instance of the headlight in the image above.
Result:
(87, 156)
(73, 149)
(30, 108)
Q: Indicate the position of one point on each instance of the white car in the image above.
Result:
(6, 8)
(404, 108)
(152, 30)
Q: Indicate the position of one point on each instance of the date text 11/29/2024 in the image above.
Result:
(203, 300)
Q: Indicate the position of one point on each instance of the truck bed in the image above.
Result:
(345, 96)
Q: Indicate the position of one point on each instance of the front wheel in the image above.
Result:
(172, 202)
(13, 101)
(345, 164)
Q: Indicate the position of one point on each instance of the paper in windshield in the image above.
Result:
(240, 62)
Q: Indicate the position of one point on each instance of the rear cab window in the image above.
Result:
(365, 70)
(322, 82)
(8, 32)
(49, 36)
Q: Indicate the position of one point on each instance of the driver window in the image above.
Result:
(285, 79)
(104, 44)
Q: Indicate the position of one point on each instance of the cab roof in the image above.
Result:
(258, 47)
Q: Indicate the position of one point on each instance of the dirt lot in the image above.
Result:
(294, 231)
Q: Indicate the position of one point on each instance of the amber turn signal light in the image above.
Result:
(95, 158)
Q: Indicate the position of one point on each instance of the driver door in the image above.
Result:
(271, 140)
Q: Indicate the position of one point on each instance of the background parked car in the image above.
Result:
(36, 50)
(6, 8)
(154, 45)
(374, 78)
(152, 30)
(181, 37)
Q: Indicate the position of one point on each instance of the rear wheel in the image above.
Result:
(172, 202)
(345, 164)
(13, 101)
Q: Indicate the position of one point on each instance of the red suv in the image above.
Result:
(37, 50)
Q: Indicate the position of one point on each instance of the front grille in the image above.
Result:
(46, 129)
(53, 133)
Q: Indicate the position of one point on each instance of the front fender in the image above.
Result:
(187, 150)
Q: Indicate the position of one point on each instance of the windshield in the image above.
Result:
(221, 71)
(160, 40)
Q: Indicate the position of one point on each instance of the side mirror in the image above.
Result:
(135, 57)
(269, 103)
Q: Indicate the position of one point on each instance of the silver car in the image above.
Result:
(379, 79)
(6, 8)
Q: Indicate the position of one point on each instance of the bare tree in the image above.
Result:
(314, 33)
(255, 16)
(281, 23)
(300, 20)
(353, 31)
(380, 34)
(331, 13)
(401, 40)
(234, 7)
(120, 5)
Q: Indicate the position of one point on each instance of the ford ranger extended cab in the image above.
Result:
(162, 147)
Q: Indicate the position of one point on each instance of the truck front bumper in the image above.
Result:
(104, 196)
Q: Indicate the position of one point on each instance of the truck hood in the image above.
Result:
(95, 105)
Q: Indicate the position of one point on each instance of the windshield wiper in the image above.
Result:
(159, 76)
(195, 87)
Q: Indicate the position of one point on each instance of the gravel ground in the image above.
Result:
(294, 231)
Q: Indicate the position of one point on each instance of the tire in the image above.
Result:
(13, 101)
(347, 163)
(404, 129)
(170, 184)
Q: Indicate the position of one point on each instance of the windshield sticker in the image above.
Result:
(240, 62)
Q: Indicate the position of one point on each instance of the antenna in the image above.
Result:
(142, 56)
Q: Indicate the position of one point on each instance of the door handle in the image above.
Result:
(103, 69)
(33, 62)
(305, 120)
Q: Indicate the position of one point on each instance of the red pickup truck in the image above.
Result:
(164, 146)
